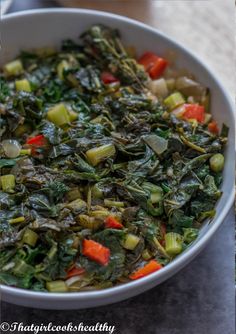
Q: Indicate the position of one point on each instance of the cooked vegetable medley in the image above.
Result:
(109, 164)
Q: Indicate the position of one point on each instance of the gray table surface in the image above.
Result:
(198, 300)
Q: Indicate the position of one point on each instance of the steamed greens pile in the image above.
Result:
(88, 152)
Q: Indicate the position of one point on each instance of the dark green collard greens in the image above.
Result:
(173, 187)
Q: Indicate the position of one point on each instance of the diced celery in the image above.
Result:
(8, 183)
(156, 197)
(131, 241)
(100, 213)
(156, 192)
(63, 65)
(30, 237)
(96, 192)
(23, 85)
(16, 220)
(56, 286)
(21, 268)
(52, 251)
(97, 154)
(73, 115)
(109, 203)
(77, 205)
(217, 162)
(59, 115)
(174, 100)
(26, 151)
(190, 234)
(146, 255)
(173, 243)
(90, 223)
(14, 68)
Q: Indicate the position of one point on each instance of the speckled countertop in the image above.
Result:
(200, 298)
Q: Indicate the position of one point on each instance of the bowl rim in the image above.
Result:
(189, 253)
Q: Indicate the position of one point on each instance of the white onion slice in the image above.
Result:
(11, 148)
(188, 86)
(159, 87)
(179, 111)
(70, 281)
(157, 144)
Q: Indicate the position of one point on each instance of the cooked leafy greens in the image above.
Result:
(109, 166)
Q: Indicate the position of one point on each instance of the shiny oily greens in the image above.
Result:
(77, 149)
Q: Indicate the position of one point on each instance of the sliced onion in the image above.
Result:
(179, 111)
(11, 148)
(188, 86)
(72, 280)
(8, 266)
(159, 87)
(157, 144)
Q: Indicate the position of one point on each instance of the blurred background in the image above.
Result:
(204, 26)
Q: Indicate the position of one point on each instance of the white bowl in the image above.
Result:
(4, 6)
(38, 28)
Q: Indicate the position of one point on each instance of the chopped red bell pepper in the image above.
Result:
(112, 222)
(153, 64)
(149, 268)
(194, 111)
(39, 140)
(74, 271)
(108, 78)
(213, 127)
(96, 252)
(36, 142)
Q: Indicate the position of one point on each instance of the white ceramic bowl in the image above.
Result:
(37, 28)
(4, 6)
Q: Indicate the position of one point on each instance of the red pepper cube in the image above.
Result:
(148, 269)
(213, 127)
(194, 111)
(75, 272)
(96, 252)
(112, 222)
(153, 64)
(108, 78)
(39, 140)
(36, 142)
